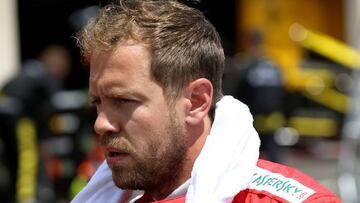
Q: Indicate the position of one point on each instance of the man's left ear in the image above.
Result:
(199, 94)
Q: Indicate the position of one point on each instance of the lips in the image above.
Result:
(115, 156)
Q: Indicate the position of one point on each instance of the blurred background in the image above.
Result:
(295, 63)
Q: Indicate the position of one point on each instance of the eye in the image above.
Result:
(121, 101)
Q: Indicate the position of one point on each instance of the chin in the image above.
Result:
(127, 181)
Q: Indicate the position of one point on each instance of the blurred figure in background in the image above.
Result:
(24, 108)
(39, 79)
(258, 82)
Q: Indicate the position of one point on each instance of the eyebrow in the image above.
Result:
(115, 92)
(91, 97)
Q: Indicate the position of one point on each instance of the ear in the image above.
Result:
(199, 94)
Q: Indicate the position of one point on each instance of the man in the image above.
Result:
(155, 77)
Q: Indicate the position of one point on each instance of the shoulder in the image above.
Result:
(282, 183)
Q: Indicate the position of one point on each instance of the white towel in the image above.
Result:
(227, 161)
(101, 188)
(223, 168)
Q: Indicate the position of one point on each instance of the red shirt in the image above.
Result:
(271, 183)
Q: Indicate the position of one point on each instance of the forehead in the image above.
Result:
(124, 64)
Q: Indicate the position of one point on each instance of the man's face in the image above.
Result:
(142, 136)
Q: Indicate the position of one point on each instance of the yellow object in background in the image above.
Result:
(274, 18)
(28, 161)
(318, 127)
(269, 123)
(326, 46)
(77, 184)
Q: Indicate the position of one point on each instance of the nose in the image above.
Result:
(103, 125)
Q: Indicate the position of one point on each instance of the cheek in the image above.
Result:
(148, 134)
(148, 125)
(142, 130)
(149, 120)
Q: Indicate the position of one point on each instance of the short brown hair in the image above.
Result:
(183, 44)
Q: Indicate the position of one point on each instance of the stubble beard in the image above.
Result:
(158, 168)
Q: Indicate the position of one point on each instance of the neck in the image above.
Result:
(196, 137)
(170, 192)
